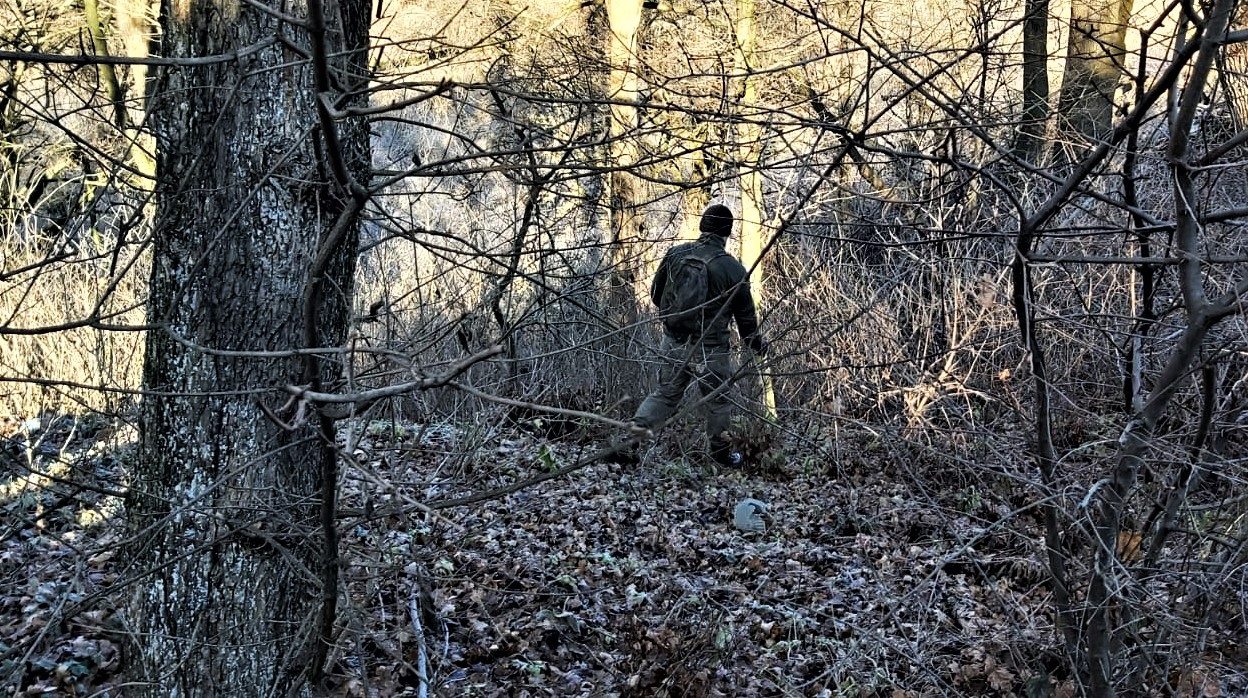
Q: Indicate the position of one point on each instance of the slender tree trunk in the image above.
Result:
(135, 29)
(749, 149)
(1029, 142)
(1233, 72)
(749, 134)
(623, 19)
(108, 75)
(126, 98)
(253, 251)
(1103, 632)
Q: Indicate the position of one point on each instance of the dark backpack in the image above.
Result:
(687, 291)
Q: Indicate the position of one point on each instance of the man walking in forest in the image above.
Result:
(699, 289)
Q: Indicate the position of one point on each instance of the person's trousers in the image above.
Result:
(681, 363)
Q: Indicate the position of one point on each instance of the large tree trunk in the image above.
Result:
(226, 505)
(1094, 65)
(1233, 72)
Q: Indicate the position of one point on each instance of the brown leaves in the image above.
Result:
(633, 581)
(1129, 546)
(58, 544)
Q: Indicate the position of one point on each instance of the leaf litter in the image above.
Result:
(622, 579)
(630, 580)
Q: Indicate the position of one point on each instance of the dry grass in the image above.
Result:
(76, 370)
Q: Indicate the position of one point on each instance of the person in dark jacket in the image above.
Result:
(703, 354)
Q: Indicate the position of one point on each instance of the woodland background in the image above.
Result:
(319, 323)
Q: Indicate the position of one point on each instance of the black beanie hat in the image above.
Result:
(716, 219)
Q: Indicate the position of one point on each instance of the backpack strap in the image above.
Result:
(716, 253)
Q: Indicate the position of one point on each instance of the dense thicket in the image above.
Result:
(998, 248)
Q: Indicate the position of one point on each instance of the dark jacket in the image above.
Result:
(728, 284)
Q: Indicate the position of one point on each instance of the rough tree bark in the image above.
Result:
(1094, 65)
(1029, 142)
(253, 257)
(1233, 72)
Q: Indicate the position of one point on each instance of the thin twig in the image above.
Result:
(576, 414)
(365, 396)
(422, 656)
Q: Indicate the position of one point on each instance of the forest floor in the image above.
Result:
(630, 579)
(873, 577)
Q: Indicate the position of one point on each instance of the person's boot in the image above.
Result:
(723, 453)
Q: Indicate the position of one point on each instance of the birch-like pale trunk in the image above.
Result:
(235, 569)
(624, 18)
(623, 21)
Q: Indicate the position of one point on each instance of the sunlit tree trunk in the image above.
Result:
(226, 506)
(126, 97)
(1233, 72)
(129, 34)
(749, 134)
(1094, 65)
(134, 34)
(624, 18)
(108, 74)
(623, 21)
